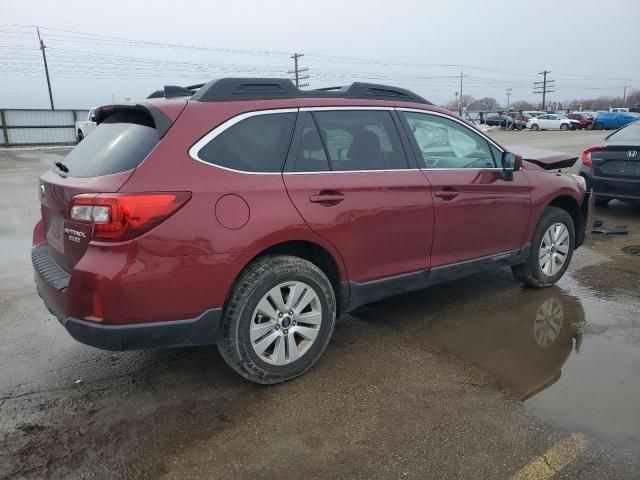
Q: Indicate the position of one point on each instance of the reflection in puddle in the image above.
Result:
(537, 344)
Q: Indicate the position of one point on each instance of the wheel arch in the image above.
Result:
(316, 254)
(572, 207)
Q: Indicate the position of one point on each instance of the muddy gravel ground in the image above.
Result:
(478, 378)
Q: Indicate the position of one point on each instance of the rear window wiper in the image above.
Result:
(62, 167)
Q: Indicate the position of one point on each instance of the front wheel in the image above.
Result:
(80, 136)
(535, 127)
(564, 126)
(598, 126)
(550, 251)
(278, 319)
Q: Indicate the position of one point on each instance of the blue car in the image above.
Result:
(613, 120)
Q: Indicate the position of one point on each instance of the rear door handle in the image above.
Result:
(327, 198)
(447, 194)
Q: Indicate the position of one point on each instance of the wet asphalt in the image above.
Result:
(478, 378)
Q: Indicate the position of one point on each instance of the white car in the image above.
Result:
(85, 127)
(552, 121)
(532, 113)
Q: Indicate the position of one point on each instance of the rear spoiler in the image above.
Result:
(142, 113)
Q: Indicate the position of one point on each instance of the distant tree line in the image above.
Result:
(600, 103)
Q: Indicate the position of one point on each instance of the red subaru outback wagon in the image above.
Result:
(249, 214)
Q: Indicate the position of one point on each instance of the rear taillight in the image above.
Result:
(586, 155)
(122, 216)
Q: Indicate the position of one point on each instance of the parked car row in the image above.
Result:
(536, 120)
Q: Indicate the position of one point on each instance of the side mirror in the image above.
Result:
(510, 163)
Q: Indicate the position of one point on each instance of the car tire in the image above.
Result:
(535, 127)
(598, 126)
(601, 201)
(254, 339)
(534, 272)
(80, 136)
(564, 127)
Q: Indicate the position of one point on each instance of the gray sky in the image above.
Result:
(590, 46)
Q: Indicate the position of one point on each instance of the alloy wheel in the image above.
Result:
(554, 249)
(286, 323)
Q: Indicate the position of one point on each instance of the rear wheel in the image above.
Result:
(564, 126)
(278, 320)
(80, 136)
(550, 251)
(535, 127)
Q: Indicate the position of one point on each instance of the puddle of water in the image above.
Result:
(572, 356)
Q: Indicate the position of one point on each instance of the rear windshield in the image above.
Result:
(116, 145)
(630, 133)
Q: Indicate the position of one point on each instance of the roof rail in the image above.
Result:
(225, 89)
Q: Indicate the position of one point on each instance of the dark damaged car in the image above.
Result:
(613, 168)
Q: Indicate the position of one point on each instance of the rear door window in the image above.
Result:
(361, 140)
(118, 144)
(311, 155)
(256, 144)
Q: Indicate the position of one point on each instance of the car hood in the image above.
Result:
(546, 159)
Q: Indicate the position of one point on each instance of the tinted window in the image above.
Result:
(361, 140)
(630, 133)
(255, 144)
(114, 146)
(445, 143)
(311, 155)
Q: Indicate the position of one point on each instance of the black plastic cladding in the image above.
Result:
(225, 89)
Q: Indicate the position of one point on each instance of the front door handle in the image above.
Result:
(327, 197)
(447, 194)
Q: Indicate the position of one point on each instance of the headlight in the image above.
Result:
(579, 180)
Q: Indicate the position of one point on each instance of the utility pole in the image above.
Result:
(544, 87)
(46, 69)
(508, 97)
(460, 104)
(297, 71)
(624, 95)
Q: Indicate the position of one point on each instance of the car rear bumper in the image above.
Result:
(609, 187)
(52, 284)
(177, 333)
